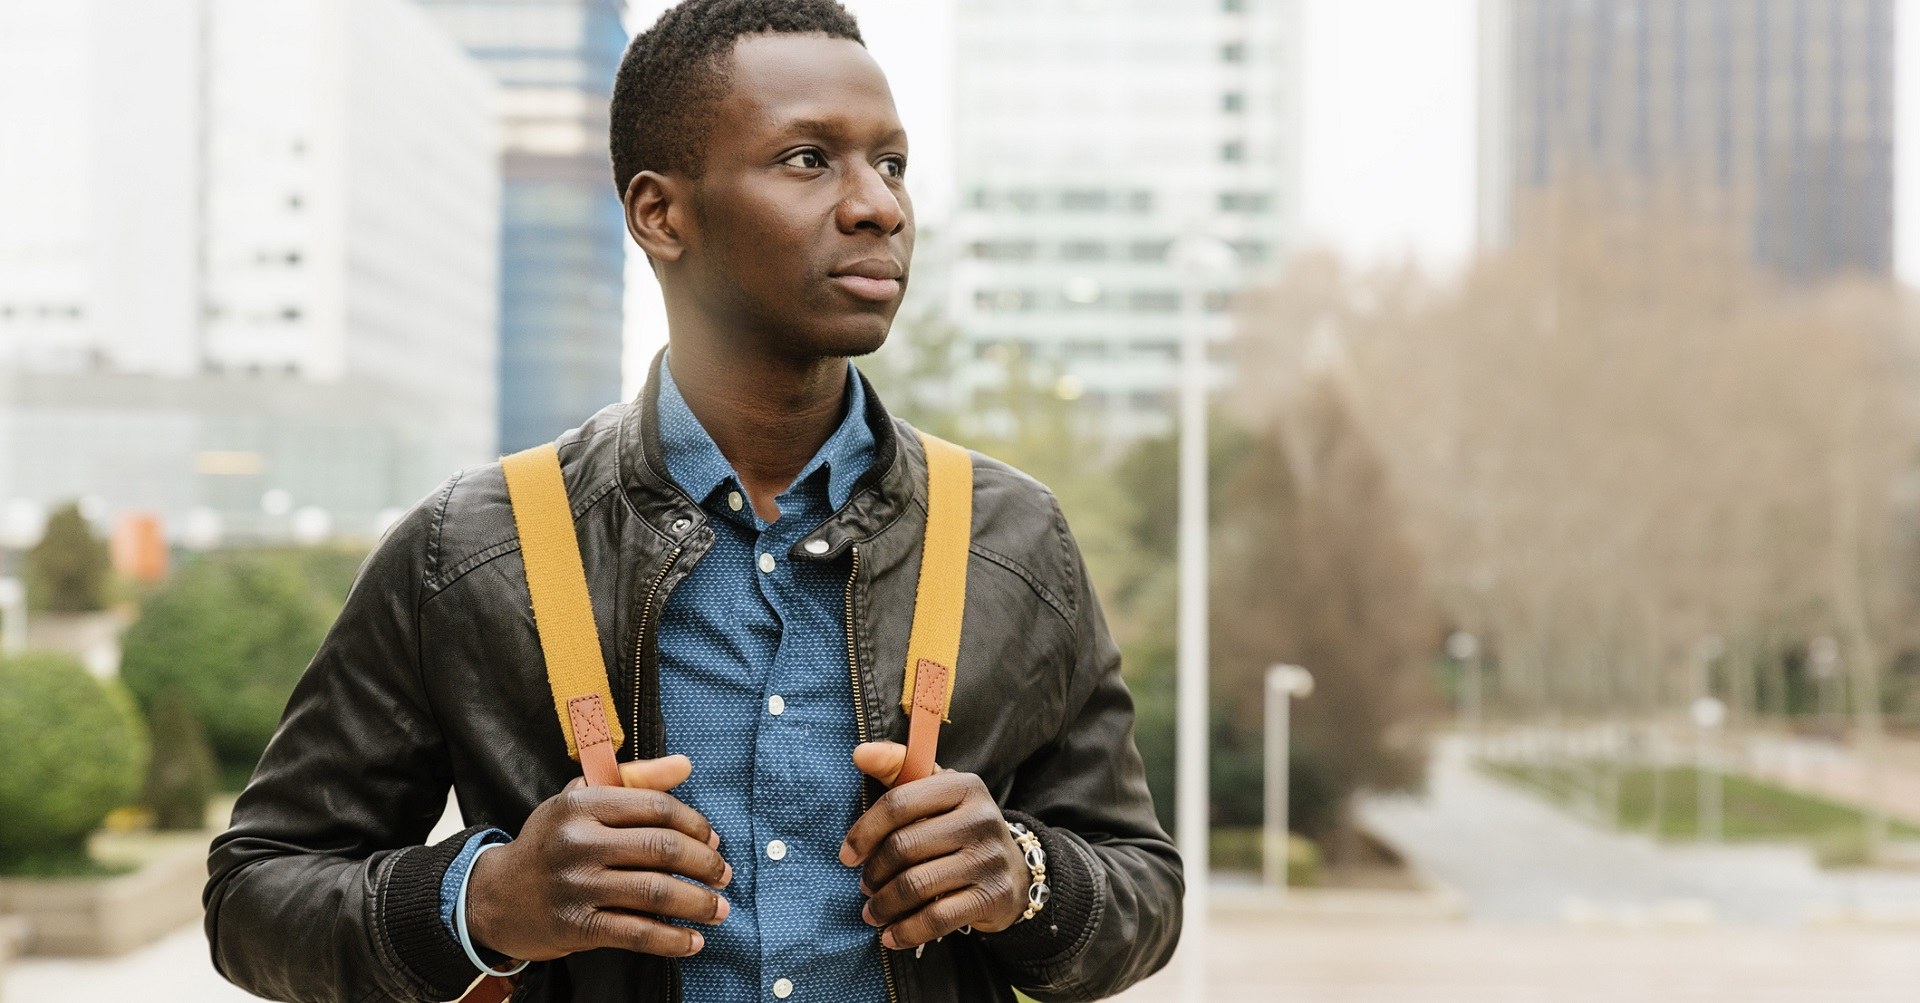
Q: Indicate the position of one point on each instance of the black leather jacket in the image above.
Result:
(432, 676)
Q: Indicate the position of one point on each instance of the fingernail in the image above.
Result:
(866, 913)
(698, 943)
(846, 855)
(713, 838)
(887, 941)
(726, 876)
(865, 889)
(722, 912)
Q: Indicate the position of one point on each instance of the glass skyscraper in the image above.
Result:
(562, 239)
(1785, 106)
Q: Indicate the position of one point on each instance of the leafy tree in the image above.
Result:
(71, 749)
(183, 772)
(68, 571)
(232, 634)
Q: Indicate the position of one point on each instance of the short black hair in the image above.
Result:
(675, 69)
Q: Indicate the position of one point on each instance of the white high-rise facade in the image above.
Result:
(1092, 134)
(250, 246)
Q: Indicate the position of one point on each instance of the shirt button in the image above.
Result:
(782, 988)
(816, 546)
(776, 850)
(766, 563)
(776, 705)
(734, 501)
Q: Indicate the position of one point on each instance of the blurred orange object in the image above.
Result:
(140, 547)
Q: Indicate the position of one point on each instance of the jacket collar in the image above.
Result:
(874, 501)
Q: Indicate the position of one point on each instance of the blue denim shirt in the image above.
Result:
(755, 690)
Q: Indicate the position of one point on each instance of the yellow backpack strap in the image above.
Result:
(939, 603)
(562, 612)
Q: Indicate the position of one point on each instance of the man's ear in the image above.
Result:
(656, 210)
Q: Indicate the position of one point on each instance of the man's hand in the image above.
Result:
(590, 860)
(936, 854)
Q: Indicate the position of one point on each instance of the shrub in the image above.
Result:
(71, 749)
(183, 773)
(232, 633)
(69, 569)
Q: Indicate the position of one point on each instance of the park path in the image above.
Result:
(1514, 857)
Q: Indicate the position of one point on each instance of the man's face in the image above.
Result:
(802, 230)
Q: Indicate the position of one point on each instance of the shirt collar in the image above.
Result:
(696, 463)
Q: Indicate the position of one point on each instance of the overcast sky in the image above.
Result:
(1388, 130)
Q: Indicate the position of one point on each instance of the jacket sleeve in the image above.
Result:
(320, 890)
(1115, 877)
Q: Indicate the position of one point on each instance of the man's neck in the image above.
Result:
(769, 416)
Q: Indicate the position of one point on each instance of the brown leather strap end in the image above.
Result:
(490, 989)
(595, 739)
(923, 727)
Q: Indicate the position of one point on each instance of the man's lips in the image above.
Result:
(876, 279)
(862, 287)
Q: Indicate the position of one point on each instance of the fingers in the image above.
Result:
(662, 774)
(662, 895)
(912, 889)
(646, 935)
(626, 808)
(931, 839)
(666, 850)
(905, 805)
(880, 760)
(944, 915)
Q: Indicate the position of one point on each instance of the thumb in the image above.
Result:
(662, 774)
(880, 760)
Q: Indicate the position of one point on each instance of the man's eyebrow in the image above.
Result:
(832, 127)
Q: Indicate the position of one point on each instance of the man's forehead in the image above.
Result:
(807, 83)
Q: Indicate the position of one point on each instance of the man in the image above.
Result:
(751, 531)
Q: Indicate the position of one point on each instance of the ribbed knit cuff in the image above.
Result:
(410, 916)
(1059, 930)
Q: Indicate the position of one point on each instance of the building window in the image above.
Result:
(1247, 202)
(1233, 152)
(1083, 200)
(1140, 200)
(1154, 301)
(1002, 300)
(1233, 101)
(1002, 250)
(1083, 250)
(290, 314)
(1149, 250)
(1233, 52)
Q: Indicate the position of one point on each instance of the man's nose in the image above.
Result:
(871, 203)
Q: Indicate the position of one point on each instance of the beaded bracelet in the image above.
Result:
(1036, 859)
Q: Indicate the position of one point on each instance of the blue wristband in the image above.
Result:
(460, 919)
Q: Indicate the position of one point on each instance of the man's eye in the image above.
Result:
(893, 167)
(811, 160)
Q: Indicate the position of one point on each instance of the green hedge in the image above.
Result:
(231, 634)
(71, 749)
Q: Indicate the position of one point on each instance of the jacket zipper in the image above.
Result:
(633, 732)
(860, 728)
(640, 647)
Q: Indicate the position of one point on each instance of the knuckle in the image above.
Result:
(655, 845)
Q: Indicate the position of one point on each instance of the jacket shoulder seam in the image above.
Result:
(1033, 581)
(512, 543)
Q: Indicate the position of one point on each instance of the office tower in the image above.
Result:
(1091, 135)
(1779, 110)
(563, 238)
(250, 251)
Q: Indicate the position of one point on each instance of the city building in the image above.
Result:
(250, 256)
(563, 236)
(1781, 110)
(1091, 134)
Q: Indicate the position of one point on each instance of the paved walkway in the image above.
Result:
(1251, 961)
(1516, 858)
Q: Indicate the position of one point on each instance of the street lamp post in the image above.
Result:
(1201, 261)
(1465, 649)
(1708, 715)
(13, 616)
(1284, 683)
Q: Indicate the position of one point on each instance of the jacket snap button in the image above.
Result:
(680, 525)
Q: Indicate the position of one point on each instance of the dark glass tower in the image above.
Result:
(562, 238)
(1785, 105)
